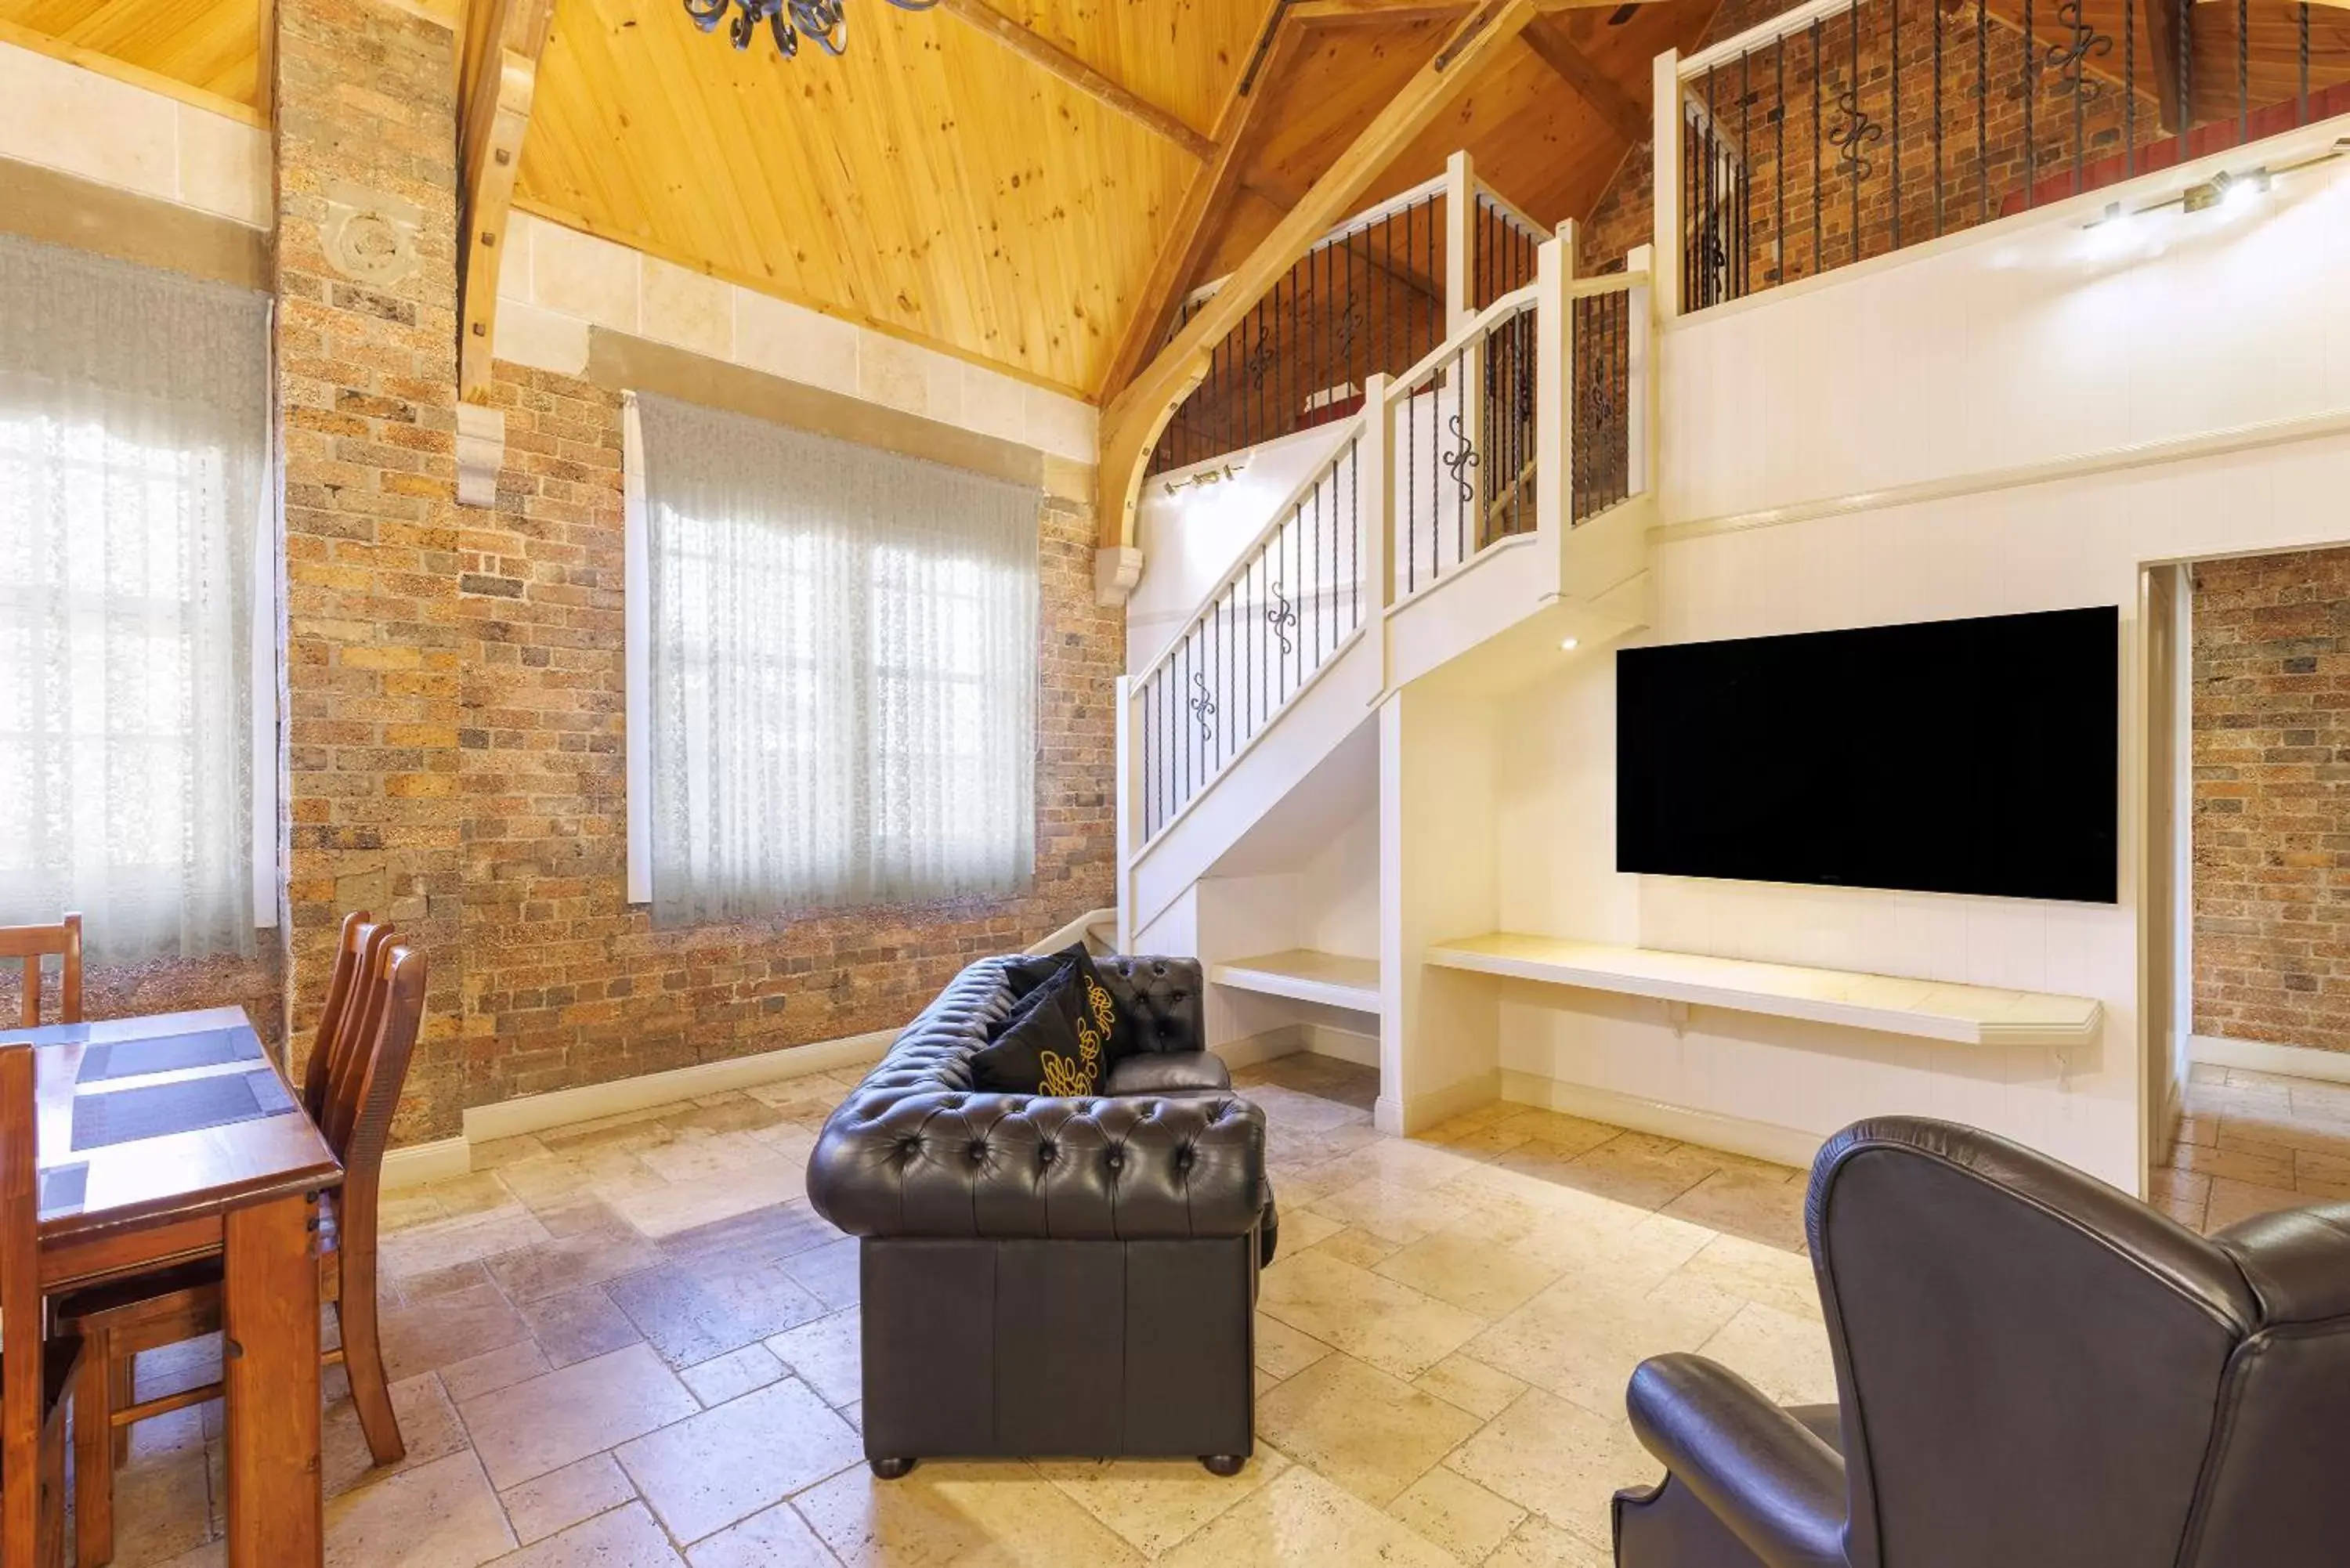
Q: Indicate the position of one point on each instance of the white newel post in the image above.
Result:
(1641, 378)
(1461, 232)
(1130, 801)
(1666, 268)
(1554, 383)
(1375, 544)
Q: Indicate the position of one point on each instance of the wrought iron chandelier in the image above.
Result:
(825, 21)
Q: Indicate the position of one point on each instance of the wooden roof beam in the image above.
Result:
(1041, 51)
(1134, 419)
(1550, 43)
(498, 74)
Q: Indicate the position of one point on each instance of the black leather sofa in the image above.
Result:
(2032, 1370)
(1045, 1276)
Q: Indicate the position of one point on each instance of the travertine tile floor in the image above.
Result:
(2252, 1142)
(631, 1344)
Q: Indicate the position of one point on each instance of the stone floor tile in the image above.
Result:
(1349, 1245)
(578, 1324)
(1301, 1227)
(445, 1243)
(1471, 1385)
(774, 1538)
(1539, 1544)
(1470, 1272)
(707, 1157)
(1643, 1172)
(1784, 1355)
(690, 1315)
(439, 1515)
(1353, 1424)
(429, 1429)
(728, 1376)
(417, 1289)
(1457, 1514)
(587, 1243)
(829, 1272)
(1559, 1459)
(1154, 1503)
(766, 1235)
(1765, 1205)
(625, 1538)
(444, 1329)
(2288, 1129)
(661, 1212)
(163, 1508)
(1582, 1338)
(525, 1430)
(1300, 1518)
(494, 1369)
(1556, 1131)
(1758, 1272)
(498, 1152)
(709, 1470)
(2253, 1164)
(2235, 1200)
(1284, 1351)
(561, 1499)
(828, 1355)
(1391, 1325)
(993, 1514)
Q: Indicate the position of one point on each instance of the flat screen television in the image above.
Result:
(1957, 756)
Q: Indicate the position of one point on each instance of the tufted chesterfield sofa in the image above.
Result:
(1045, 1276)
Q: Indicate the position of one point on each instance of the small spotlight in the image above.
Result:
(2202, 197)
(1570, 644)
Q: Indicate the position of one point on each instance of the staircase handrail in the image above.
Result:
(1351, 426)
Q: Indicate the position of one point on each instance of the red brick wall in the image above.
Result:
(567, 984)
(2271, 799)
(1747, 100)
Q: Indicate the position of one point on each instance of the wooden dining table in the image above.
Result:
(172, 1137)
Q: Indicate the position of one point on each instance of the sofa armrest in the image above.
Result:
(1168, 1073)
(1775, 1485)
(953, 1164)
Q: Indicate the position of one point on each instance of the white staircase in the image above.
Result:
(1473, 515)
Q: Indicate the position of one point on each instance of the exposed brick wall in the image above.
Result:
(565, 982)
(368, 378)
(1745, 102)
(2271, 799)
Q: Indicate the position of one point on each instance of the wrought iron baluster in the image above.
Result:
(1714, 254)
(1895, 6)
(2031, 105)
(2182, 46)
(1819, 170)
(1935, 7)
(2130, 90)
(1779, 162)
(2301, 116)
(1982, 108)
(1857, 126)
(1745, 169)
(2243, 72)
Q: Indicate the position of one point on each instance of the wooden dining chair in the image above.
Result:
(34, 943)
(37, 1372)
(365, 1074)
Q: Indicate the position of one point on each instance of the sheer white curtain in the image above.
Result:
(839, 676)
(134, 440)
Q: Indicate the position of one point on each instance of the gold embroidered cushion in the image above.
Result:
(1116, 1029)
(1054, 1046)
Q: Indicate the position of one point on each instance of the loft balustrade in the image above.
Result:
(1844, 129)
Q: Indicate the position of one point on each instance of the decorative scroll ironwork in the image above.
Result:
(1281, 615)
(1851, 138)
(2070, 59)
(1204, 706)
(1461, 460)
(824, 21)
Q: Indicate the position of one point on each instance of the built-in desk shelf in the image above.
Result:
(1930, 1010)
(1302, 974)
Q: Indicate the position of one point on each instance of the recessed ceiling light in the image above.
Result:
(1569, 644)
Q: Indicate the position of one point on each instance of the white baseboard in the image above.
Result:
(1345, 1044)
(537, 1113)
(1424, 1111)
(1286, 1041)
(1732, 1135)
(1290, 1039)
(2261, 1056)
(421, 1162)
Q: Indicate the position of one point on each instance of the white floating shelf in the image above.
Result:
(1302, 975)
(1931, 1010)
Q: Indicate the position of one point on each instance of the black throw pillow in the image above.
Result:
(1053, 1047)
(1119, 1040)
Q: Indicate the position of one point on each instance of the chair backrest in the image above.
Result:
(34, 943)
(359, 1121)
(23, 1370)
(2030, 1363)
(346, 1049)
(331, 1017)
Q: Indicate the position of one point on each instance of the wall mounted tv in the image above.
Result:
(1957, 756)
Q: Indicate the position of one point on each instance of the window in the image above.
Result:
(134, 440)
(832, 671)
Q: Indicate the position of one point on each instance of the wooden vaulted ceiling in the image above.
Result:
(938, 182)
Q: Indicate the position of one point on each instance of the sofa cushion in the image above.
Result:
(1052, 1043)
(1168, 1073)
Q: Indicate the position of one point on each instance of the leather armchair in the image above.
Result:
(2033, 1371)
(1045, 1276)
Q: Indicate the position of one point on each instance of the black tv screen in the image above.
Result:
(1958, 756)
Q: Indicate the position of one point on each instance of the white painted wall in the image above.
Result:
(1952, 368)
(556, 283)
(62, 117)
